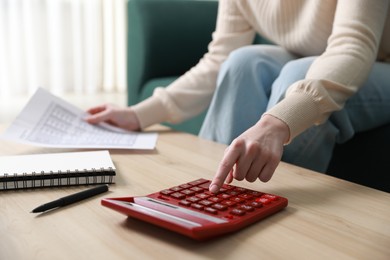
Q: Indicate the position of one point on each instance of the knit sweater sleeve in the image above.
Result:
(339, 72)
(191, 93)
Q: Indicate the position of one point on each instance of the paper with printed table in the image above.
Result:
(50, 121)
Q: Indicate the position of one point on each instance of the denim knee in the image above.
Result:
(250, 66)
(291, 72)
(244, 58)
(295, 70)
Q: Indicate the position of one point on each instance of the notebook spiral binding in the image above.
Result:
(57, 178)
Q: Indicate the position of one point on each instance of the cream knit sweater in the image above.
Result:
(345, 34)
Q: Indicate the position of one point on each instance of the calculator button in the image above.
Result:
(197, 206)
(222, 190)
(255, 193)
(270, 197)
(227, 187)
(193, 199)
(204, 186)
(223, 196)
(256, 204)
(185, 203)
(232, 192)
(263, 200)
(203, 196)
(228, 203)
(198, 182)
(247, 208)
(219, 206)
(211, 210)
(237, 212)
(185, 186)
(245, 196)
(188, 192)
(162, 197)
(197, 189)
(176, 188)
(166, 192)
(237, 199)
(205, 202)
(178, 195)
(215, 199)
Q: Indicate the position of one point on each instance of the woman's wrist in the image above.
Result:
(278, 127)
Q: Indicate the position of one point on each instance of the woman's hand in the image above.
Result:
(253, 155)
(124, 118)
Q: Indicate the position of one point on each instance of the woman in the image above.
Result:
(325, 79)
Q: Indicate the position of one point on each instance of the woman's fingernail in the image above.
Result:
(214, 188)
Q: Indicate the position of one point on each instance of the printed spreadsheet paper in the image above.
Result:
(49, 121)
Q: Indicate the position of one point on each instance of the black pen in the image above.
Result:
(71, 198)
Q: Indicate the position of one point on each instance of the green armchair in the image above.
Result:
(168, 37)
(165, 39)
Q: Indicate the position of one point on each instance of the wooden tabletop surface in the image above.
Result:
(326, 218)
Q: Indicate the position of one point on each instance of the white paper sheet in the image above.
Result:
(49, 121)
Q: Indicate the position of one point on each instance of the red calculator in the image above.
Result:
(190, 209)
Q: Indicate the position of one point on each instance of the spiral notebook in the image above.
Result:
(56, 169)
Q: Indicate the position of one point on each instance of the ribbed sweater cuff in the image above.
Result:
(298, 111)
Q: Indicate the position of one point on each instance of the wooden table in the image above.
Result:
(326, 218)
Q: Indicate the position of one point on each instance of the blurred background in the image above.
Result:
(76, 49)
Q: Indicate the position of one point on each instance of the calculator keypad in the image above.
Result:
(230, 202)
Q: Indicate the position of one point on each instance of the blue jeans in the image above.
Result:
(255, 78)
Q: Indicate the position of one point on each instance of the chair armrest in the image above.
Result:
(166, 38)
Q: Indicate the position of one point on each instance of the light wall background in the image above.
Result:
(66, 46)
